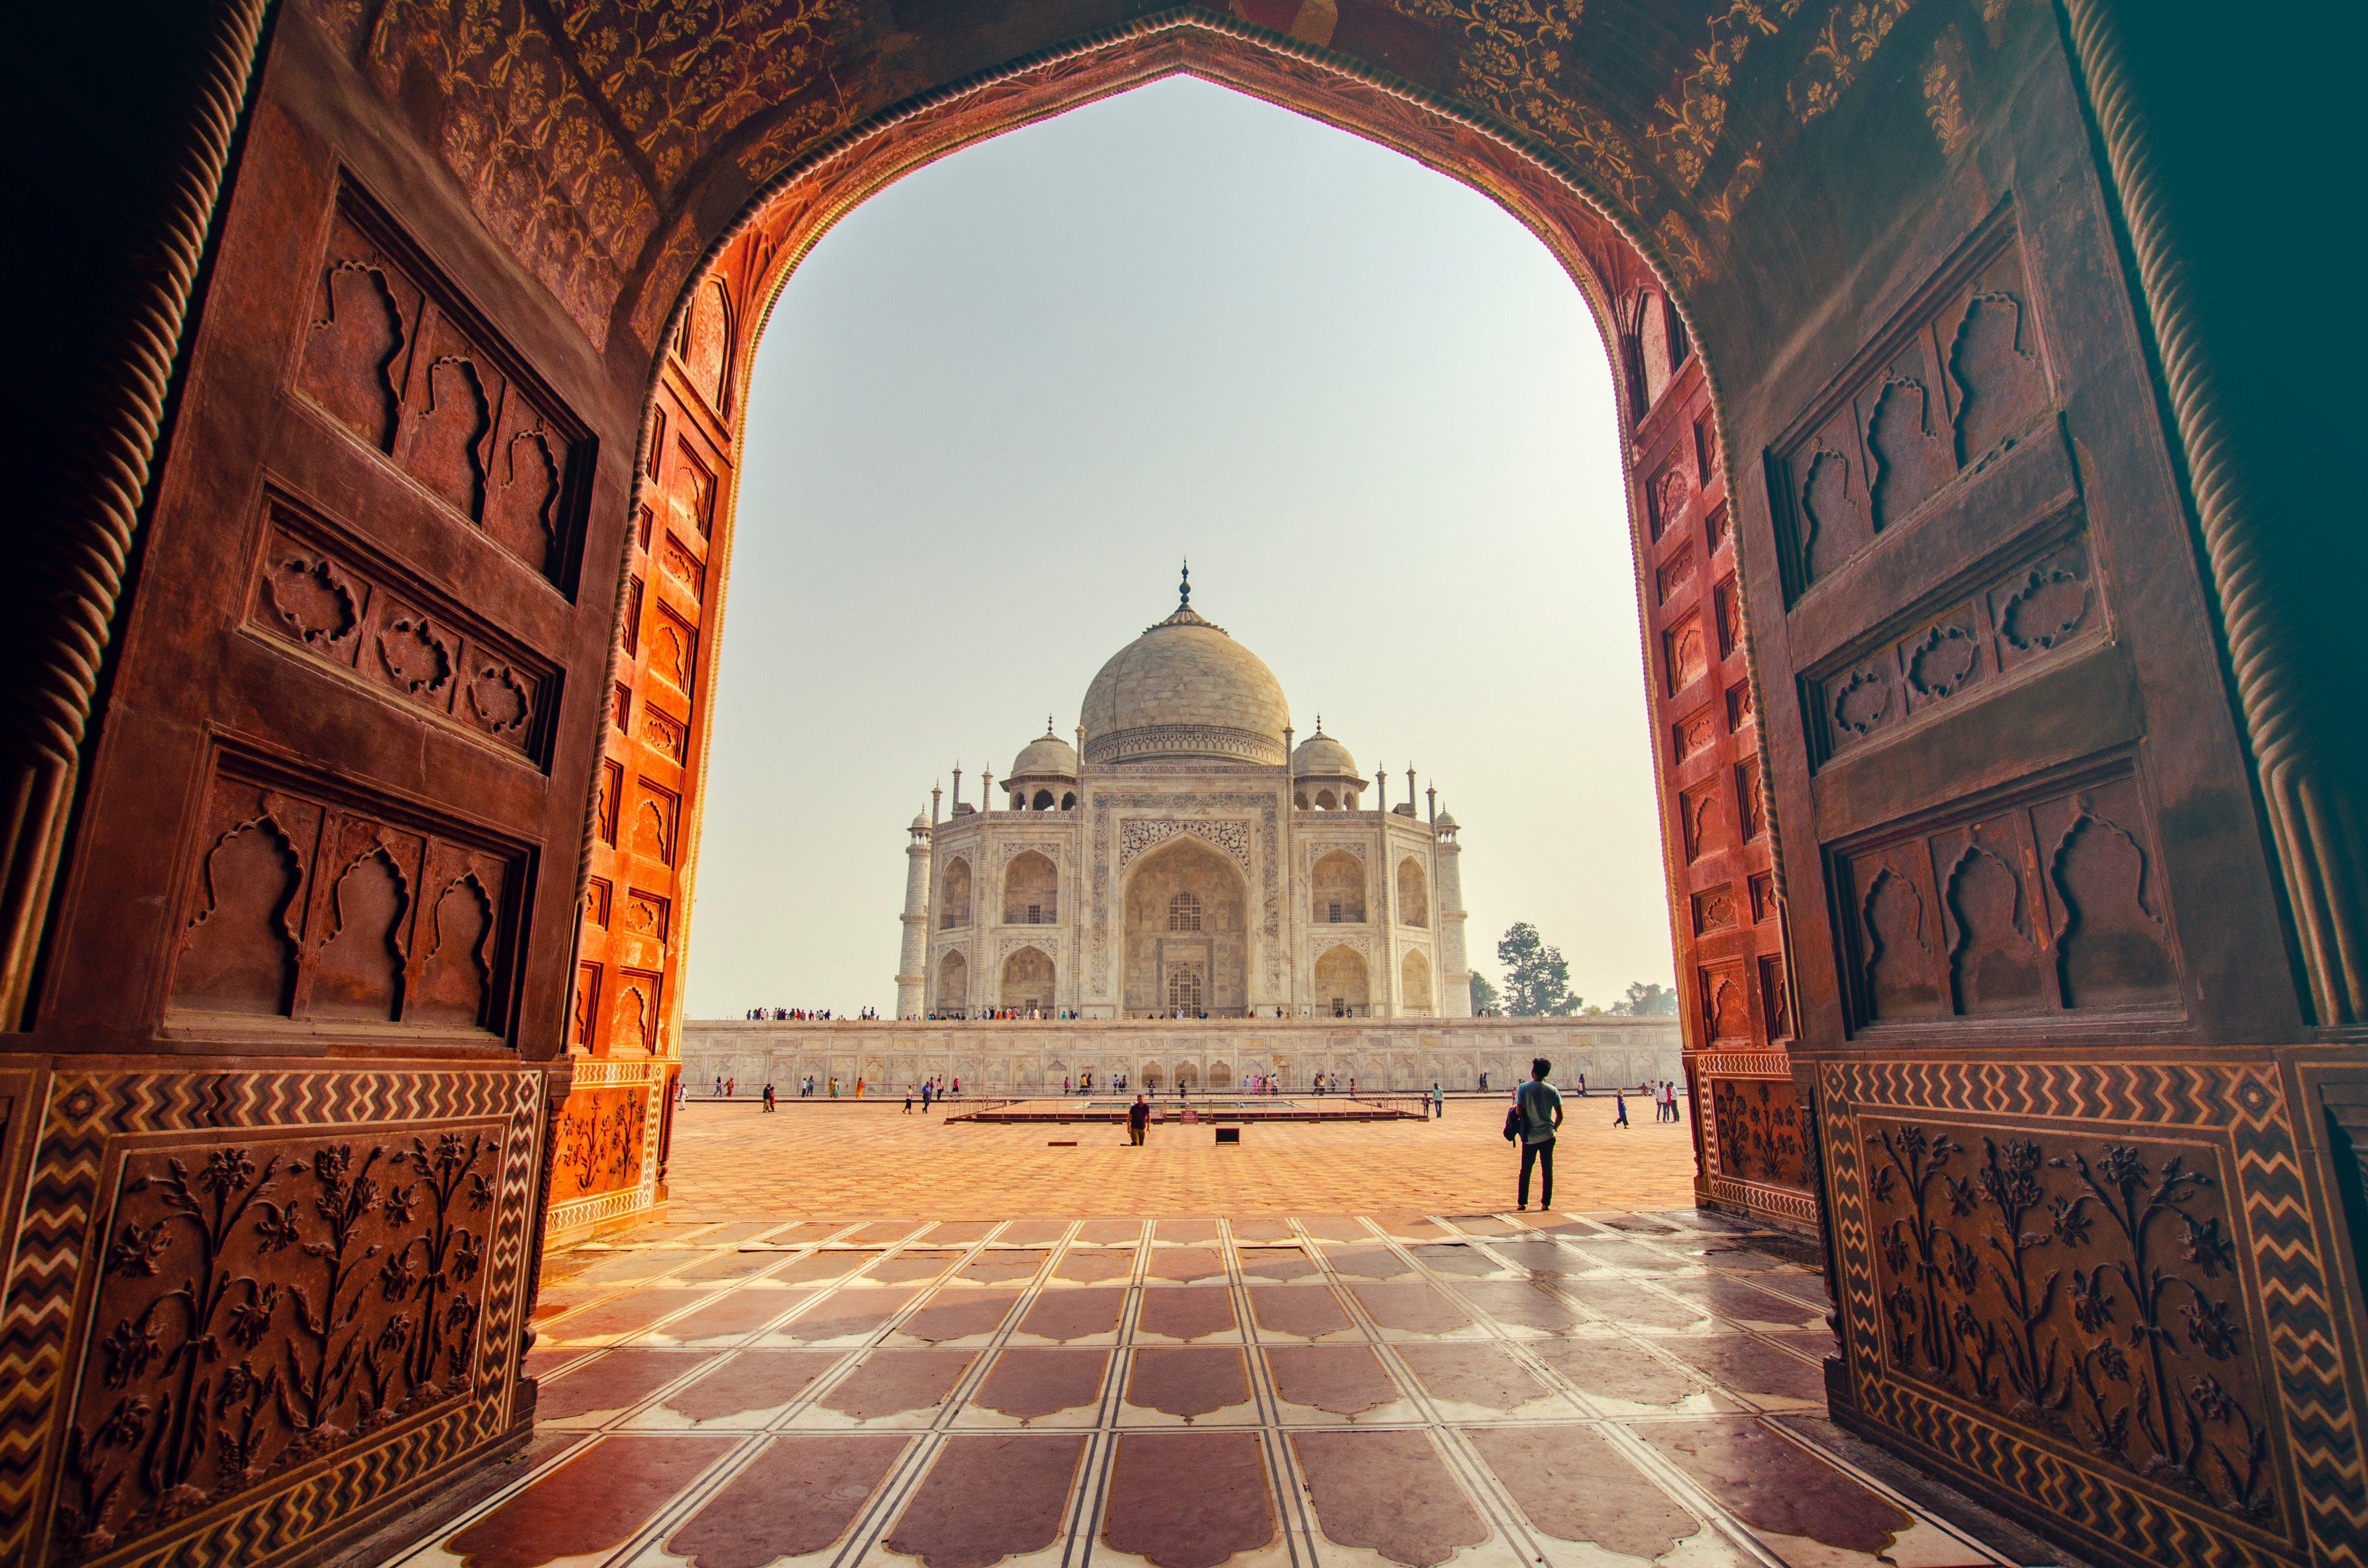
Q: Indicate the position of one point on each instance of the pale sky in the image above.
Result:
(1002, 400)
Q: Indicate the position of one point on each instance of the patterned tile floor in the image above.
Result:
(1387, 1388)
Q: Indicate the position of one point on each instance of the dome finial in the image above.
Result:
(1048, 726)
(1184, 588)
(1319, 724)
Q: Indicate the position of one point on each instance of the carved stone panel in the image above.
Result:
(328, 595)
(1759, 1130)
(313, 904)
(247, 1302)
(2024, 907)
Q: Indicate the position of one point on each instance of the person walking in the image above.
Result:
(718, 1086)
(1539, 1113)
(729, 1084)
(1138, 1118)
(1437, 1102)
(908, 1099)
(768, 1099)
(925, 1085)
(1620, 1105)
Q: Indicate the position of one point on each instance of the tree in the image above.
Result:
(1537, 977)
(1484, 994)
(1647, 1001)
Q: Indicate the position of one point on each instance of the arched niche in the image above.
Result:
(1342, 987)
(1413, 893)
(954, 983)
(953, 895)
(1413, 987)
(1336, 890)
(1165, 947)
(1031, 891)
(1027, 980)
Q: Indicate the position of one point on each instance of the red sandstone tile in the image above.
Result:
(1227, 1508)
(579, 1508)
(1186, 1311)
(1775, 1485)
(1029, 1383)
(613, 1382)
(1456, 1258)
(1074, 1314)
(1624, 1302)
(823, 1265)
(1517, 1306)
(989, 1498)
(1088, 1268)
(1367, 1262)
(753, 1380)
(1278, 1263)
(732, 1266)
(735, 1312)
(626, 1314)
(1742, 1300)
(895, 1382)
(1111, 1231)
(1416, 1309)
(1310, 1311)
(1345, 1379)
(1195, 1231)
(1616, 1369)
(1487, 1225)
(885, 1231)
(1264, 1230)
(734, 1232)
(1410, 1227)
(907, 1268)
(1388, 1493)
(1622, 1254)
(796, 1497)
(957, 1315)
(997, 1267)
(1188, 1379)
(846, 1312)
(1753, 1367)
(1573, 1486)
(959, 1233)
(623, 1268)
(1033, 1232)
(1482, 1375)
(1187, 1263)
(1336, 1228)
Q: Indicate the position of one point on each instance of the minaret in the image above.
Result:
(1455, 971)
(912, 966)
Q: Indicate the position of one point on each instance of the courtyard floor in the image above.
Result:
(860, 1337)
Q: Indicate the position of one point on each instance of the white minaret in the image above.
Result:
(912, 981)
(1455, 977)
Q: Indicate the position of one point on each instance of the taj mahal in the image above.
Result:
(1184, 858)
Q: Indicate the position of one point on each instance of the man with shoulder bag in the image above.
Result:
(1535, 1116)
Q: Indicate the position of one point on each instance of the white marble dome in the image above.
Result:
(1184, 689)
(1321, 756)
(1046, 757)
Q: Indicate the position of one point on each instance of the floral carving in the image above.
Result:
(1759, 1126)
(264, 1306)
(600, 1147)
(2090, 1292)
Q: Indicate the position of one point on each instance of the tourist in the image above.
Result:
(1483, 1082)
(1067, 1087)
(719, 1085)
(927, 1085)
(729, 1084)
(908, 1099)
(1540, 1116)
(1438, 1103)
(1620, 1105)
(1138, 1118)
(957, 1085)
(769, 1099)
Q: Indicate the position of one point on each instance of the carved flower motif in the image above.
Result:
(130, 1349)
(125, 1424)
(2121, 1166)
(227, 1170)
(396, 1276)
(278, 1228)
(2207, 1249)
(480, 1191)
(250, 1320)
(401, 1202)
(396, 1334)
(468, 1255)
(136, 1251)
(2068, 1220)
(2093, 1306)
(2215, 1402)
(2208, 1325)
(2113, 1363)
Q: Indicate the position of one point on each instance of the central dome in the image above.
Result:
(1185, 691)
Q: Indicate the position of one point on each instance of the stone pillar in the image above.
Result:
(912, 964)
(1454, 972)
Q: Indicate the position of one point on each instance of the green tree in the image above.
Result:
(1537, 977)
(1484, 994)
(1647, 1001)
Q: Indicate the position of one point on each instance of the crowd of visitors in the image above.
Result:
(812, 1014)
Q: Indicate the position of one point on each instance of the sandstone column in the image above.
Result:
(911, 966)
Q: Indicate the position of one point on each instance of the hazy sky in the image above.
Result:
(1002, 398)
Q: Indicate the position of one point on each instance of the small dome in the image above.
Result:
(1184, 689)
(1445, 823)
(1047, 757)
(920, 823)
(1319, 756)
